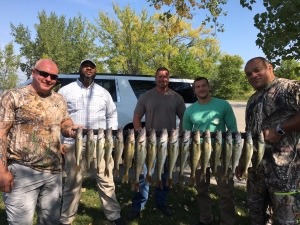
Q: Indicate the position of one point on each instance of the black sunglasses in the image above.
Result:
(45, 74)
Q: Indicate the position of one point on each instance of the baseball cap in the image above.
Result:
(88, 60)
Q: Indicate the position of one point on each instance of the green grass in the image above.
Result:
(182, 200)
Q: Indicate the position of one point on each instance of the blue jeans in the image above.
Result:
(140, 198)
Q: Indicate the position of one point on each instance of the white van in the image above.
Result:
(126, 89)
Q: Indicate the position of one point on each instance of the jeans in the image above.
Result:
(33, 190)
(140, 198)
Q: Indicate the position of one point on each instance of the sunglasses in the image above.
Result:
(45, 74)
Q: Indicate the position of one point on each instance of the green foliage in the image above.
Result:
(289, 69)
(133, 44)
(279, 29)
(9, 63)
(66, 42)
(230, 83)
(212, 9)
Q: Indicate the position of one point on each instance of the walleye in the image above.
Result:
(215, 159)
(90, 147)
(195, 156)
(205, 154)
(118, 146)
(236, 151)
(184, 152)
(246, 154)
(100, 147)
(173, 151)
(151, 154)
(258, 150)
(128, 154)
(161, 155)
(78, 146)
(139, 156)
(108, 147)
(227, 155)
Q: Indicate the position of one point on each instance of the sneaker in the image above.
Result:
(133, 215)
(118, 222)
(166, 210)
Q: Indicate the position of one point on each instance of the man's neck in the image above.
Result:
(162, 90)
(204, 100)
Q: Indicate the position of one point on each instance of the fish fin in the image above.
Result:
(192, 181)
(125, 178)
(170, 183)
(149, 178)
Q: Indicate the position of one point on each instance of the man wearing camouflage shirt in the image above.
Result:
(274, 109)
(32, 119)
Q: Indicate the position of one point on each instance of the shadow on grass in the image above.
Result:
(182, 200)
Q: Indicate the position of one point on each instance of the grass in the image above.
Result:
(182, 200)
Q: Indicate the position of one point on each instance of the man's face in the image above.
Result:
(87, 70)
(259, 74)
(202, 89)
(44, 77)
(162, 79)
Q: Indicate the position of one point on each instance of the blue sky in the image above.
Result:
(238, 39)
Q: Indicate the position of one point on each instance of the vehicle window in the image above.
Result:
(185, 90)
(109, 85)
(139, 87)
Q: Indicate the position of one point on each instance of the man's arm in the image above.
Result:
(6, 178)
(137, 124)
(290, 125)
(68, 129)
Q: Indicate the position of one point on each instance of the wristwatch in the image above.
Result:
(279, 130)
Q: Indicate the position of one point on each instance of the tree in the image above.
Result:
(134, 44)
(185, 9)
(127, 43)
(230, 83)
(67, 43)
(279, 29)
(289, 69)
(279, 26)
(9, 64)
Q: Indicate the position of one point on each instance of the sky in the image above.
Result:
(238, 39)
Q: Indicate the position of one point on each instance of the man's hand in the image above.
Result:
(271, 136)
(6, 181)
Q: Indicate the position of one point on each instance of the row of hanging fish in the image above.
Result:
(104, 145)
(197, 150)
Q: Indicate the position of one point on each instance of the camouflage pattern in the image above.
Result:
(34, 138)
(277, 178)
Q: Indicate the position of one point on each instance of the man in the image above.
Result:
(212, 114)
(160, 106)
(32, 119)
(274, 109)
(92, 107)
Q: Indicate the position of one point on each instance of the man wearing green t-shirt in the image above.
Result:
(213, 114)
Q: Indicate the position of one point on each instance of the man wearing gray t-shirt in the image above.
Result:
(161, 106)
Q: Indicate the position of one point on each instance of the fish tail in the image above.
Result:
(149, 178)
(125, 178)
(192, 181)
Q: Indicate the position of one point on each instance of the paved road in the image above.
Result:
(239, 111)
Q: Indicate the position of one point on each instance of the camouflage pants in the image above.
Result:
(275, 186)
